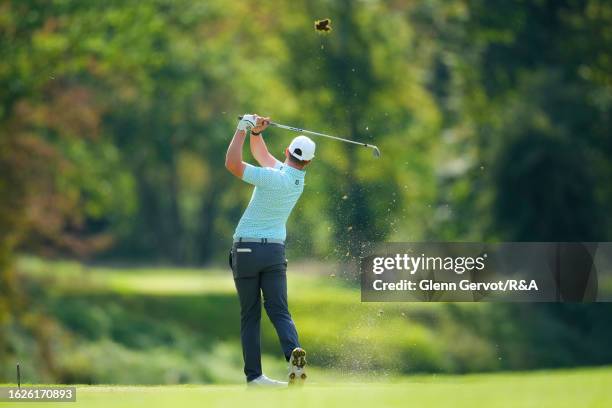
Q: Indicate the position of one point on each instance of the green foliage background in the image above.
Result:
(493, 118)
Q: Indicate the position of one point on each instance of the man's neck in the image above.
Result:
(290, 164)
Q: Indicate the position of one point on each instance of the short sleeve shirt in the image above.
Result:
(277, 190)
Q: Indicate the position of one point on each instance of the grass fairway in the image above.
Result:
(181, 326)
(572, 388)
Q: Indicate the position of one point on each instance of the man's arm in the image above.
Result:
(260, 150)
(258, 176)
(233, 157)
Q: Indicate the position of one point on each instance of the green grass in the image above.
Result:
(576, 388)
(179, 325)
(327, 309)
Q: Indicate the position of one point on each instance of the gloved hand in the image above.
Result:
(248, 121)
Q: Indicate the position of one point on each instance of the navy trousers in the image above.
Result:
(260, 268)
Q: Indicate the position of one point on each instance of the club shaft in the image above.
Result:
(310, 132)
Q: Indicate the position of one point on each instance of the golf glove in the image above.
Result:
(247, 122)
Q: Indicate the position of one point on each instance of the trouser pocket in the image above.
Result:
(247, 259)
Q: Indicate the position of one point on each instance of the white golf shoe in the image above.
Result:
(263, 381)
(297, 367)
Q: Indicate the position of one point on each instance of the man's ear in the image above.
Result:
(287, 152)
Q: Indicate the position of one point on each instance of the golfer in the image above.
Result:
(257, 257)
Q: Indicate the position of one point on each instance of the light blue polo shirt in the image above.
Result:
(276, 192)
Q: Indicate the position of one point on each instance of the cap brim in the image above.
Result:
(301, 158)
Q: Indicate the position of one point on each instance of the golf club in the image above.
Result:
(375, 149)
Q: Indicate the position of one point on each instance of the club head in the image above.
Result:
(375, 152)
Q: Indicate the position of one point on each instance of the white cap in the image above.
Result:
(302, 148)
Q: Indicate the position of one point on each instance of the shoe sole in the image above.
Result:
(297, 376)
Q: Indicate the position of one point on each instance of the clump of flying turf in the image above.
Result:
(323, 26)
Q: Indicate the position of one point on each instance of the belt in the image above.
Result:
(260, 240)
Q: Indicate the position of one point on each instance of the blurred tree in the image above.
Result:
(530, 107)
(363, 82)
(545, 171)
(59, 184)
(126, 110)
